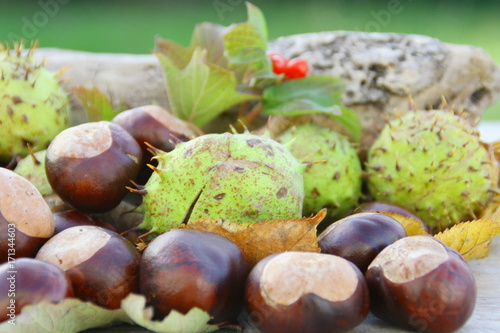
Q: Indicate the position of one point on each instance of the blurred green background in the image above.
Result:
(127, 26)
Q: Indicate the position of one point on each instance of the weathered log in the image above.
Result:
(380, 71)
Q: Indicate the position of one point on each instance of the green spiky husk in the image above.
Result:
(434, 164)
(32, 168)
(240, 177)
(33, 106)
(335, 183)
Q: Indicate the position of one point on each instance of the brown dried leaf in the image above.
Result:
(471, 239)
(260, 239)
(412, 226)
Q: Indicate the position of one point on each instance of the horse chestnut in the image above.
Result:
(153, 125)
(360, 237)
(418, 283)
(306, 292)
(90, 165)
(102, 265)
(182, 269)
(29, 281)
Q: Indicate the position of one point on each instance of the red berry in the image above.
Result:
(279, 63)
(296, 68)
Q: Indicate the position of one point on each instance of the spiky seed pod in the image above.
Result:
(335, 183)
(240, 177)
(33, 106)
(32, 167)
(434, 164)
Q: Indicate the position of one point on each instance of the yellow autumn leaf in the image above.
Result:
(260, 239)
(413, 227)
(471, 239)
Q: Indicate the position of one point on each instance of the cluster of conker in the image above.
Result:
(89, 166)
(367, 262)
(73, 254)
(52, 256)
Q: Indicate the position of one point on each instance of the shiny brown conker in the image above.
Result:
(306, 292)
(157, 127)
(420, 284)
(90, 165)
(102, 265)
(360, 237)
(182, 269)
(29, 281)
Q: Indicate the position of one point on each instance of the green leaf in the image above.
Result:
(201, 91)
(312, 94)
(69, 315)
(177, 54)
(206, 35)
(95, 103)
(210, 36)
(247, 42)
(195, 321)
(350, 120)
(246, 47)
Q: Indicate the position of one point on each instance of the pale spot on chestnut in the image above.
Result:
(35, 219)
(302, 282)
(83, 141)
(410, 259)
(306, 292)
(74, 246)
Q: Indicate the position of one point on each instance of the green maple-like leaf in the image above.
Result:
(207, 36)
(96, 104)
(177, 54)
(200, 91)
(246, 48)
(210, 37)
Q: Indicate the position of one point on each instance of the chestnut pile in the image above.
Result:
(367, 261)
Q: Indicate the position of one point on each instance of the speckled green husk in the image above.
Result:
(33, 106)
(334, 184)
(240, 177)
(434, 164)
(32, 168)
